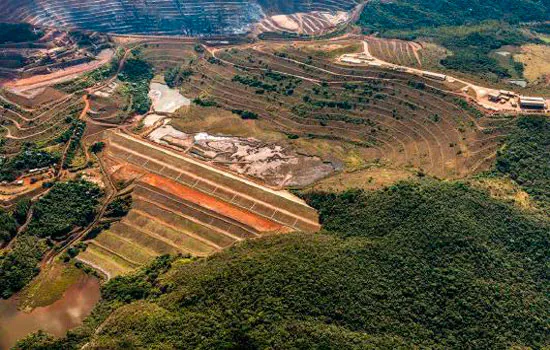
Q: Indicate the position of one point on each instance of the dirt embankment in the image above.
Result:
(60, 76)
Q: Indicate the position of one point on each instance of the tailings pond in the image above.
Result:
(56, 319)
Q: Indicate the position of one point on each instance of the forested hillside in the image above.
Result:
(526, 157)
(429, 264)
(415, 14)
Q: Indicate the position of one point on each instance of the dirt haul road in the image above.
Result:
(481, 92)
(60, 76)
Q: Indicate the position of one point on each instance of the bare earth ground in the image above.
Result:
(60, 76)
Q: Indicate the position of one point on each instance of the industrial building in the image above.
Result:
(435, 76)
(527, 102)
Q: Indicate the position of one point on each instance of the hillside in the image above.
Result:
(379, 276)
(481, 38)
(415, 14)
(525, 158)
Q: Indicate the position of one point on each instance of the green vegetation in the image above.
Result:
(471, 47)
(21, 210)
(140, 285)
(282, 84)
(97, 147)
(77, 130)
(91, 78)
(543, 28)
(29, 158)
(205, 102)
(17, 32)
(470, 31)
(49, 286)
(245, 114)
(37, 341)
(67, 205)
(414, 14)
(8, 227)
(137, 74)
(19, 265)
(254, 82)
(526, 157)
(427, 265)
(175, 76)
(119, 207)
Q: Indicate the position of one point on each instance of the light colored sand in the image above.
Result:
(285, 22)
(151, 120)
(166, 100)
(166, 131)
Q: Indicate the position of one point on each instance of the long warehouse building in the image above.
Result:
(532, 102)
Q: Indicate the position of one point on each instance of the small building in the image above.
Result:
(494, 96)
(532, 102)
(507, 93)
(351, 60)
(435, 76)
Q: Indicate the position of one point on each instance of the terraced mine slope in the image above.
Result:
(383, 116)
(186, 17)
(181, 205)
(49, 52)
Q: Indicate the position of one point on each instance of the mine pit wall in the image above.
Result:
(163, 17)
(214, 182)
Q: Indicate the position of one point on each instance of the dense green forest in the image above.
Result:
(8, 227)
(137, 73)
(471, 47)
(526, 157)
(427, 264)
(66, 206)
(414, 14)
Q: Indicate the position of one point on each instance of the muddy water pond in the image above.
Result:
(56, 319)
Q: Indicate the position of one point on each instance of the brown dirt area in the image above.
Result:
(208, 202)
(536, 59)
(60, 76)
(32, 99)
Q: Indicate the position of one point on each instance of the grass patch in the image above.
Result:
(49, 286)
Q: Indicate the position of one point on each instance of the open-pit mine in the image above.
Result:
(185, 17)
(206, 139)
